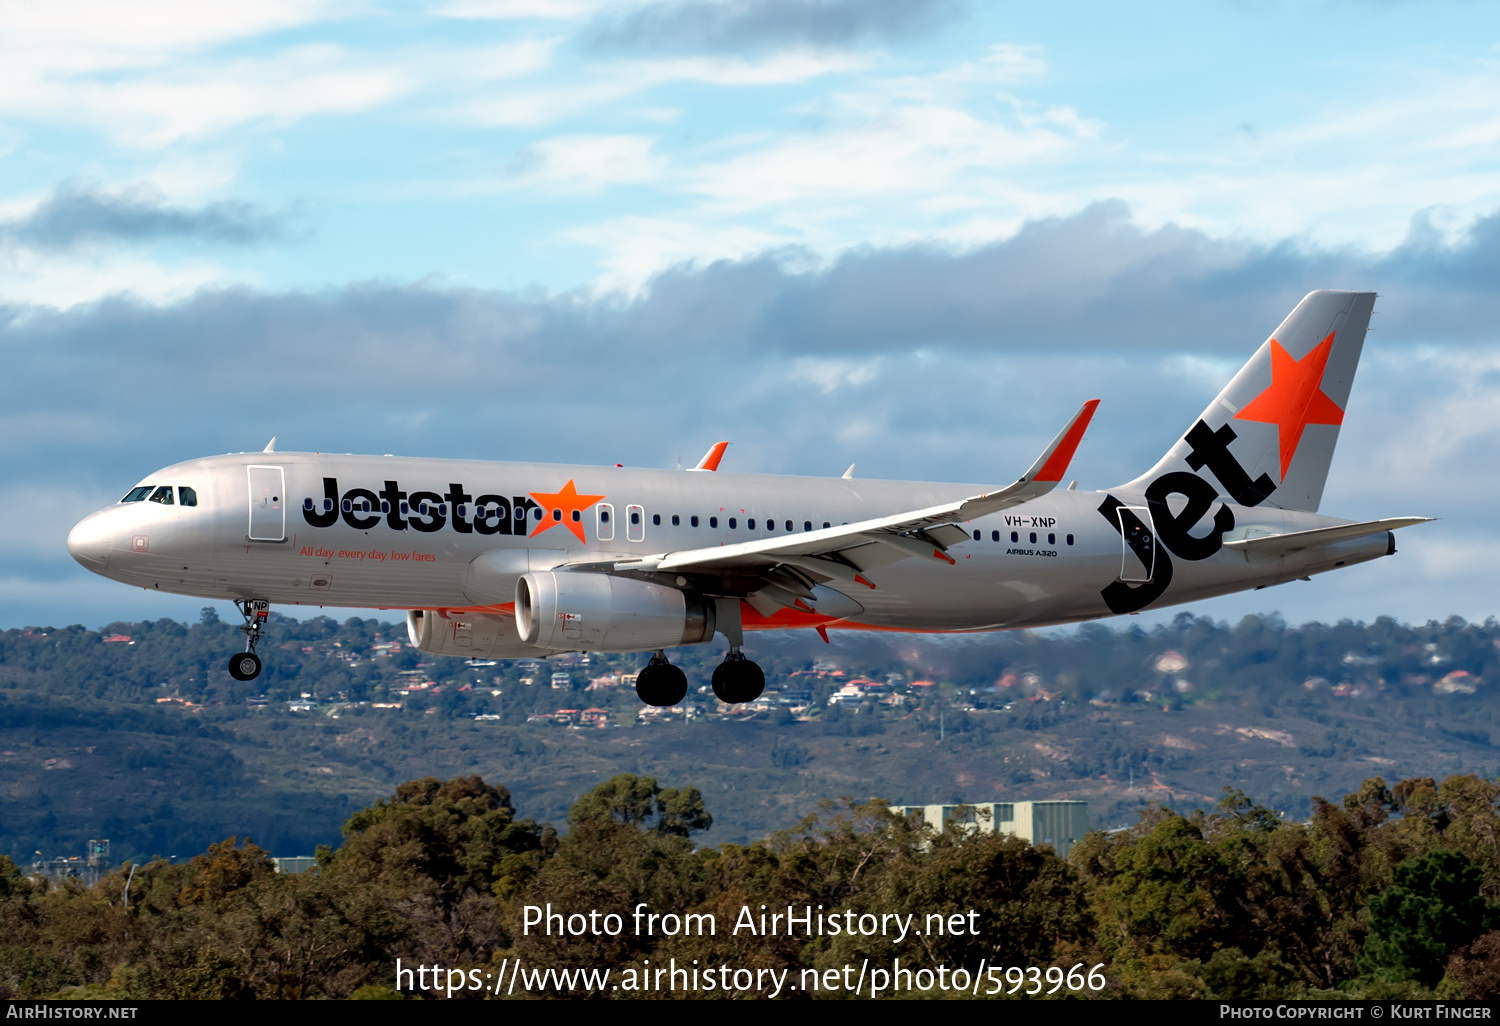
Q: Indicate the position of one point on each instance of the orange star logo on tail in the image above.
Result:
(563, 508)
(1295, 397)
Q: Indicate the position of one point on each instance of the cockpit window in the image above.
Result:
(137, 494)
(163, 495)
(187, 495)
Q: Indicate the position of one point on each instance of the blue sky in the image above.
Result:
(913, 234)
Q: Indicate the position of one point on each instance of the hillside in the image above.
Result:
(137, 733)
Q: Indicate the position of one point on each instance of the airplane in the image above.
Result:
(495, 560)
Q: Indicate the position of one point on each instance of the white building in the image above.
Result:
(1060, 824)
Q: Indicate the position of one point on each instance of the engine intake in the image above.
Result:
(561, 609)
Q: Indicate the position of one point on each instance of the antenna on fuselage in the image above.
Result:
(849, 474)
(271, 445)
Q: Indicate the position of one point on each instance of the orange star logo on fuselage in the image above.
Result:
(1294, 398)
(563, 509)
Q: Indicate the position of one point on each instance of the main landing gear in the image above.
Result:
(246, 665)
(661, 683)
(737, 679)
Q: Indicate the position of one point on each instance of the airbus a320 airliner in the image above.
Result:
(510, 560)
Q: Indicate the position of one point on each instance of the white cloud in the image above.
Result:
(511, 10)
(69, 37)
(29, 278)
(587, 163)
(609, 82)
(637, 248)
(830, 375)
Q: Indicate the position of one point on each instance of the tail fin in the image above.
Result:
(1269, 436)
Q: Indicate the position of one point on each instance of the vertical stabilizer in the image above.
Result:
(1269, 436)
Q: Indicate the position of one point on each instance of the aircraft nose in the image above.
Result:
(88, 543)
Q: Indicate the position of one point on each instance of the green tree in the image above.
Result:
(1431, 910)
(632, 800)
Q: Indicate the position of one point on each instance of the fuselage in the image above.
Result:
(387, 532)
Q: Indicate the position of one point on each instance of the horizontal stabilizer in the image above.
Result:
(1295, 540)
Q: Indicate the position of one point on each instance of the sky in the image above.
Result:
(909, 234)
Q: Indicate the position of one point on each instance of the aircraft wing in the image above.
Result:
(1292, 541)
(844, 552)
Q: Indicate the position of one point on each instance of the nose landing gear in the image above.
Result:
(246, 665)
(660, 683)
(737, 679)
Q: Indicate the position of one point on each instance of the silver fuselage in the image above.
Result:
(254, 534)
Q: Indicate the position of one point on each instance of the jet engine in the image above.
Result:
(562, 609)
(466, 635)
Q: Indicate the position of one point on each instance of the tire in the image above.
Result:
(738, 680)
(244, 666)
(661, 684)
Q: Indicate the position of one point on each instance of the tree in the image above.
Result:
(632, 800)
(1431, 910)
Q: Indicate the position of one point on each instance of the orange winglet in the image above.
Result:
(940, 554)
(861, 580)
(711, 460)
(1057, 465)
(822, 633)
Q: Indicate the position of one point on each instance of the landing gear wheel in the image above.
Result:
(660, 683)
(244, 666)
(738, 680)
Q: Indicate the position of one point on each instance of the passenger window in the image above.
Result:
(713, 521)
(807, 525)
(826, 525)
(976, 535)
(676, 520)
(536, 514)
(1014, 537)
(190, 497)
(693, 520)
(732, 523)
(748, 523)
(1051, 539)
(577, 516)
(635, 517)
(1033, 537)
(770, 525)
(656, 519)
(604, 516)
(789, 525)
(1070, 539)
(163, 495)
(137, 494)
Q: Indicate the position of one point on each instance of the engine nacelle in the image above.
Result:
(562, 609)
(466, 635)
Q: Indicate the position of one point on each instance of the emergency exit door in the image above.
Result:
(267, 504)
(1137, 544)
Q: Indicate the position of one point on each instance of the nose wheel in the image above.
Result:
(246, 665)
(737, 679)
(660, 683)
